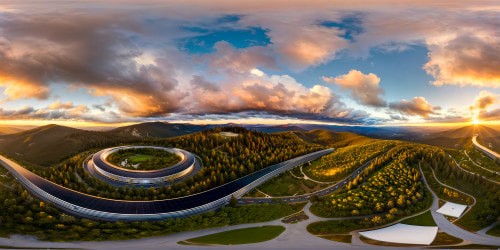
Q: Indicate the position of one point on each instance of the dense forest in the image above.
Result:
(391, 187)
(224, 159)
(20, 213)
(343, 161)
(391, 184)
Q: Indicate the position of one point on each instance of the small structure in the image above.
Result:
(229, 134)
(403, 234)
(452, 209)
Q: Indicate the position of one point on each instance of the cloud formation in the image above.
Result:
(418, 106)
(274, 94)
(484, 100)
(364, 88)
(88, 51)
(482, 103)
(133, 59)
(466, 59)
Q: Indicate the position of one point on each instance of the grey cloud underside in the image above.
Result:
(90, 51)
(101, 51)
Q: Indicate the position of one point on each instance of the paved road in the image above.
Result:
(469, 207)
(470, 172)
(294, 237)
(477, 165)
(452, 229)
(95, 207)
(485, 150)
(305, 197)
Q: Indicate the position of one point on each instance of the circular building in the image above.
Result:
(99, 165)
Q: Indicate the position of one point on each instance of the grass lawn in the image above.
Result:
(383, 243)
(424, 219)
(240, 236)
(334, 227)
(143, 158)
(139, 158)
(287, 185)
(495, 231)
(344, 238)
(445, 239)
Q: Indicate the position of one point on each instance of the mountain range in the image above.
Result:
(47, 145)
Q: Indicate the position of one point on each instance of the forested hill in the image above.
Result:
(332, 139)
(225, 158)
(48, 145)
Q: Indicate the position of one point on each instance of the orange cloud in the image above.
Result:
(416, 106)
(481, 104)
(468, 59)
(484, 100)
(364, 88)
(228, 58)
(15, 89)
(61, 105)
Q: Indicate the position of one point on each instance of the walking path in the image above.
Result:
(473, 162)
(452, 229)
(470, 172)
(309, 178)
(294, 237)
(486, 229)
(460, 191)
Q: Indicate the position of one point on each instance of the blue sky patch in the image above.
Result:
(239, 38)
(351, 26)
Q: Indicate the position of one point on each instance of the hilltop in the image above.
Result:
(457, 138)
(50, 144)
(157, 130)
(331, 138)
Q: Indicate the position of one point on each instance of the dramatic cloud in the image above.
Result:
(231, 60)
(364, 89)
(275, 94)
(493, 115)
(89, 51)
(481, 104)
(61, 105)
(417, 106)
(467, 59)
(484, 100)
(135, 60)
(299, 41)
(80, 112)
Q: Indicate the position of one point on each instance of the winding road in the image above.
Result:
(306, 197)
(294, 237)
(94, 207)
(452, 229)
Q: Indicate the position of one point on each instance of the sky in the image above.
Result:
(333, 62)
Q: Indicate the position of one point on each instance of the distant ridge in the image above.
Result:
(332, 139)
(157, 130)
(5, 130)
(457, 138)
(50, 144)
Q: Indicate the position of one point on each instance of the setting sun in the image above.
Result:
(476, 121)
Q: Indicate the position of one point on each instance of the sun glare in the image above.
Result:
(476, 121)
